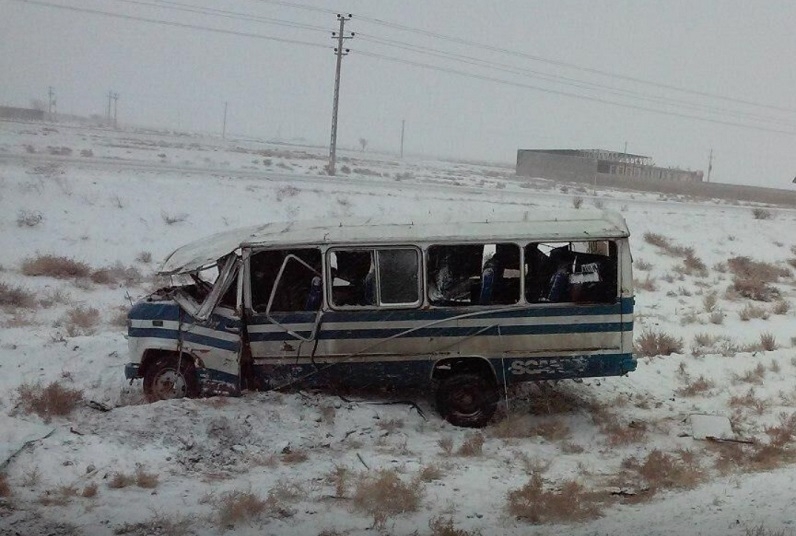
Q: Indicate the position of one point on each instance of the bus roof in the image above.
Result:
(530, 226)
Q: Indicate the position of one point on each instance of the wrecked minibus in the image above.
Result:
(466, 307)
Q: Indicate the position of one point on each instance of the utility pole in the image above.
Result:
(339, 52)
(403, 124)
(50, 103)
(710, 164)
(108, 108)
(224, 127)
(115, 109)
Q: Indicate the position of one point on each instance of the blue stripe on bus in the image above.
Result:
(172, 334)
(494, 330)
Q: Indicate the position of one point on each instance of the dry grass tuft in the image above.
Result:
(144, 257)
(751, 311)
(618, 433)
(752, 279)
(754, 376)
(234, 507)
(750, 401)
(390, 425)
(695, 387)
(59, 496)
(768, 342)
(644, 266)
(54, 266)
(295, 456)
(781, 307)
(429, 473)
(29, 218)
(5, 488)
(446, 444)
(116, 274)
(762, 213)
(647, 284)
(661, 470)
(80, 321)
(55, 400)
(709, 301)
(693, 265)
(145, 480)
(16, 297)
(90, 490)
(120, 480)
(577, 201)
(339, 478)
(472, 446)
(652, 343)
(444, 527)
(383, 494)
(571, 502)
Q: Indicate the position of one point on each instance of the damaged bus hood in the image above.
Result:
(206, 251)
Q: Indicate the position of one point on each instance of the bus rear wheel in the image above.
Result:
(170, 377)
(467, 400)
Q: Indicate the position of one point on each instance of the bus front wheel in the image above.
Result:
(170, 377)
(467, 400)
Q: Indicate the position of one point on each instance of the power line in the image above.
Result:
(172, 23)
(582, 84)
(558, 63)
(571, 95)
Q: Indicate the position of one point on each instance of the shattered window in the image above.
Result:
(298, 289)
(474, 274)
(375, 277)
(583, 272)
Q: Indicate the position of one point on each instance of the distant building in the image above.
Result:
(24, 114)
(584, 165)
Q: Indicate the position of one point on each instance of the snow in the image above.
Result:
(120, 193)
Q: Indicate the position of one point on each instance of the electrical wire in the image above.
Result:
(174, 24)
(568, 94)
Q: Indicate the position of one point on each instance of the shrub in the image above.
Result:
(709, 301)
(144, 257)
(171, 219)
(384, 495)
(642, 265)
(90, 490)
(752, 311)
(651, 343)
(761, 213)
(781, 307)
(80, 321)
(54, 266)
(694, 265)
(696, 387)
(118, 273)
(47, 402)
(120, 480)
(239, 506)
(16, 297)
(444, 527)
(535, 504)
(647, 284)
(664, 471)
(29, 218)
(145, 480)
(472, 446)
(294, 456)
(752, 278)
(577, 201)
(768, 341)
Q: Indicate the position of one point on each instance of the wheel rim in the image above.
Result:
(169, 384)
(467, 400)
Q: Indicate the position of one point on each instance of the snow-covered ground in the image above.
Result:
(125, 199)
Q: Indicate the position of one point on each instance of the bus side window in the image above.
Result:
(473, 274)
(299, 287)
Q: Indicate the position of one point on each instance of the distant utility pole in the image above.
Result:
(403, 124)
(224, 126)
(339, 52)
(50, 102)
(710, 164)
(108, 108)
(115, 109)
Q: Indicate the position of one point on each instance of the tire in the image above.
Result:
(467, 400)
(169, 378)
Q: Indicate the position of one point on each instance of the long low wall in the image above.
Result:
(584, 170)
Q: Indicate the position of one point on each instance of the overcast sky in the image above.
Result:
(734, 58)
